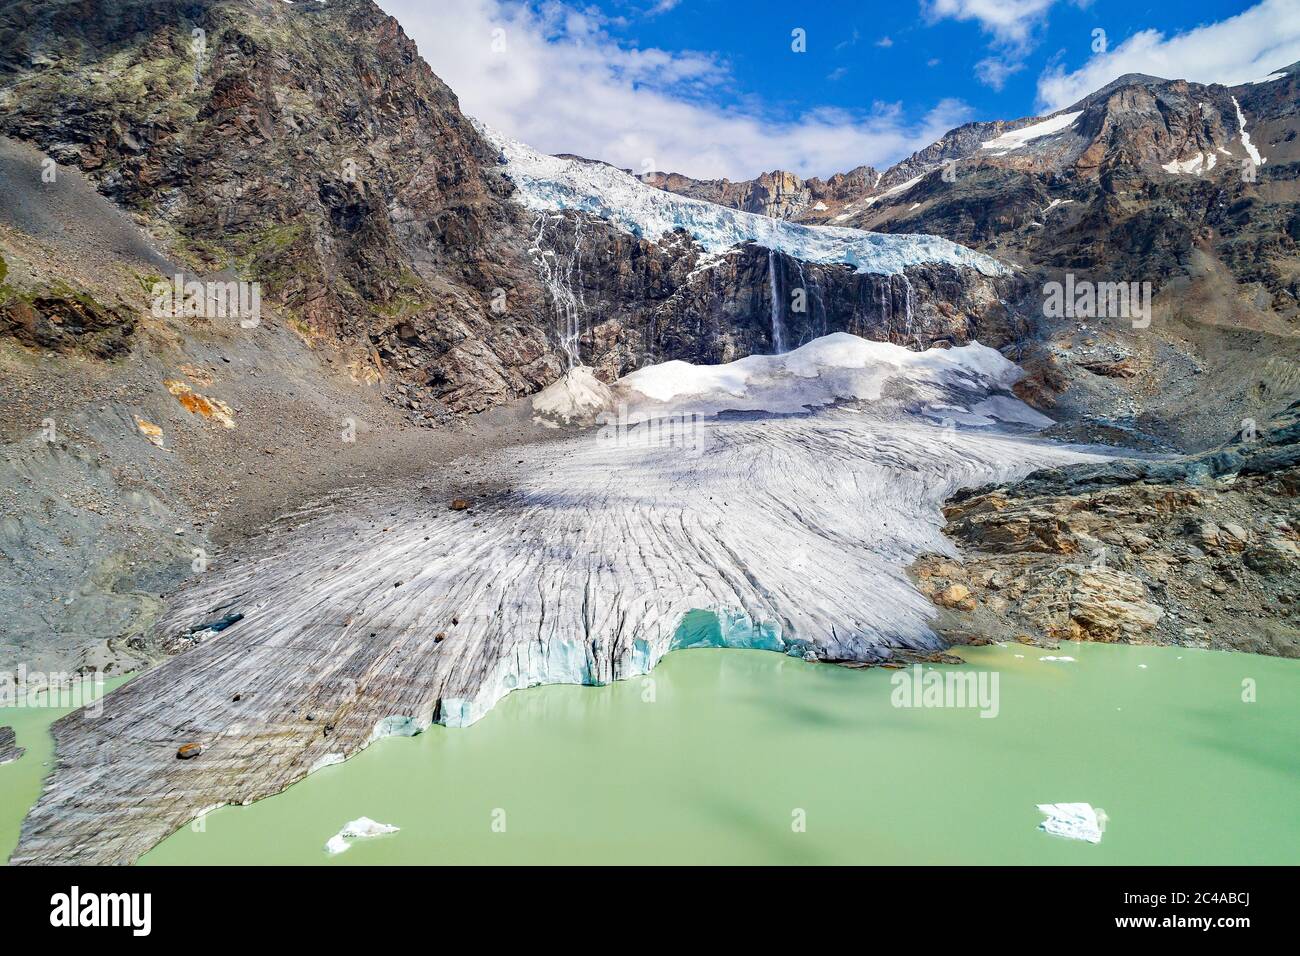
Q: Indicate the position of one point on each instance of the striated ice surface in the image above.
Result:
(610, 547)
(1076, 821)
(782, 532)
(551, 184)
(782, 510)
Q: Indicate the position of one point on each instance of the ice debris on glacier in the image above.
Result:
(552, 184)
(577, 396)
(1075, 821)
(841, 366)
(356, 829)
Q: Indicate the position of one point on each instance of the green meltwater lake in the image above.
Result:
(728, 756)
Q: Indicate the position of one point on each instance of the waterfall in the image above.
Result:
(909, 301)
(778, 329)
(562, 276)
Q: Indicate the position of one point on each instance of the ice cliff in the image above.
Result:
(551, 184)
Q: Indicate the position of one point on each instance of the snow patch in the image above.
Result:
(1245, 137)
(1192, 166)
(1014, 139)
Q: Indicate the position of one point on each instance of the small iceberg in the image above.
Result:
(1076, 821)
(361, 827)
(1051, 658)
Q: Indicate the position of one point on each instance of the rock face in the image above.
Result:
(64, 321)
(1191, 188)
(1093, 604)
(1200, 551)
(779, 194)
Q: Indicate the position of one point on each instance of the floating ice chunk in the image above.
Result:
(1076, 821)
(1051, 658)
(1014, 139)
(336, 844)
(356, 829)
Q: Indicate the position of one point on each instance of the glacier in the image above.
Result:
(551, 184)
(818, 477)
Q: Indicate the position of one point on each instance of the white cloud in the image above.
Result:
(1242, 48)
(1011, 22)
(1013, 25)
(562, 84)
(993, 71)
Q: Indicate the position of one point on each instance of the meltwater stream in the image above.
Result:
(718, 755)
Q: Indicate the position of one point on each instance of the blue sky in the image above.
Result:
(866, 51)
(713, 88)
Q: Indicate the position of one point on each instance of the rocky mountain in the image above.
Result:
(780, 194)
(413, 267)
(1191, 550)
(307, 151)
(251, 251)
(309, 148)
(1189, 187)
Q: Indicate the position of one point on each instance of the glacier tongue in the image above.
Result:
(792, 531)
(552, 184)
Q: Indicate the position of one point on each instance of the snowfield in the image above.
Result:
(551, 184)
